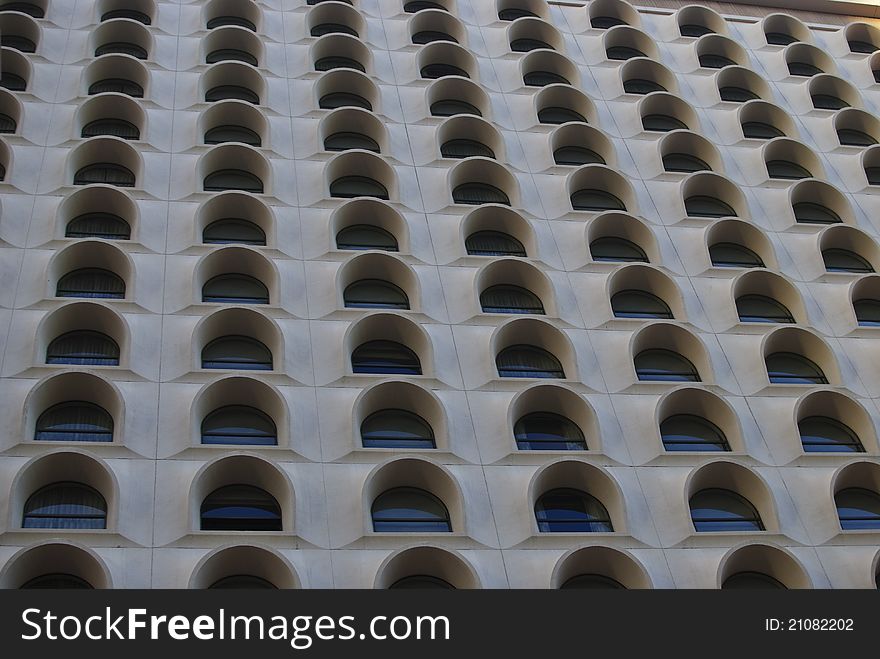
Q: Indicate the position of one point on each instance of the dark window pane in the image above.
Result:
(822, 434)
(642, 86)
(596, 200)
(239, 424)
(344, 99)
(639, 304)
(430, 36)
(544, 78)
(780, 39)
(113, 127)
(790, 368)
(694, 30)
(74, 421)
(235, 288)
(98, 225)
(617, 249)
(479, 193)
(396, 429)
(374, 294)
(732, 255)
(105, 172)
(121, 48)
(237, 352)
(493, 243)
(65, 506)
(737, 94)
(7, 124)
(762, 309)
(760, 131)
(558, 115)
(515, 12)
(867, 312)
(465, 149)
(338, 62)
(230, 55)
(385, 357)
(662, 123)
(132, 14)
(344, 141)
(853, 137)
(233, 230)
(592, 582)
(858, 509)
(365, 236)
(659, 365)
(873, 175)
(571, 511)
(505, 298)
(12, 82)
(421, 582)
(547, 431)
(803, 69)
(751, 581)
(785, 169)
(828, 102)
(18, 42)
(439, 70)
(348, 187)
(91, 283)
(525, 361)
(714, 61)
(844, 260)
(56, 581)
(233, 179)
(232, 133)
(408, 509)
(223, 21)
(576, 155)
(85, 348)
(233, 92)
(702, 206)
(810, 213)
(722, 510)
(605, 22)
(419, 5)
(332, 28)
(452, 107)
(684, 162)
(623, 52)
(240, 508)
(862, 47)
(24, 7)
(117, 85)
(687, 432)
(525, 45)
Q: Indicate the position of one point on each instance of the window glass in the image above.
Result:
(664, 366)
(83, 347)
(348, 187)
(858, 509)
(233, 179)
(75, 421)
(639, 304)
(662, 123)
(844, 260)
(716, 509)
(822, 434)
(525, 361)
(385, 357)
(688, 432)
(232, 133)
(237, 352)
(789, 368)
(235, 288)
(365, 236)
(566, 510)
(113, 127)
(479, 193)
(345, 140)
(493, 243)
(596, 200)
(91, 283)
(239, 424)
(375, 294)
(233, 230)
(105, 172)
(396, 429)
(547, 431)
(506, 298)
(65, 506)
(762, 309)
(409, 509)
(612, 248)
(240, 508)
(733, 255)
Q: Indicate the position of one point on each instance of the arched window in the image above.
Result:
(752, 581)
(828, 102)
(525, 361)
(113, 127)
(105, 172)
(465, 149)
(56, 581)
(803, 69)
(694, 30)
(862, 47)
(493, 243)
(7, 124)
(419, 5)
(12, 82)
(873, 175)
(240, 508)
(231, 92)
(544, 78)
(232, 133)
(24, 7)
(237, 21)
(737, 94)
(364, 237)
(867, 312)
(374, 294)
(118, 86)
(233, 179)
(639, 304)
(348, 187)
(596, 200)
(506, 298)
(396, 429)
(83, 347)
(409, 509)
(558, 115)
(734, 255)
(332, 28)
(790, 368)
(858, 509)
(715, 61)
(605, 22)
(844, 260)
(338, 62)
(513, 13)
(785, 169)
(121, 48)
(615, 249)
(74, 421)
(759, 130)
(335, 100)
(230, 55)
(98, 225)
(241, 425)
(592, 582)
(65, 505)
(439, 70)
(547, 431)
(343, 141)
(822, 434)
(525, 45)
(132, 14)
(18, 42)
(762, 309)
(91, 283)
(566, 510)
(660, 365)
(806, 212)
(385, 357)
(642, 86)
(623, 52)
(684, 162)
(688, 432)
(576, 155)
(235, 288)
(450, 107)
(421, 582)
(703, 206)
(242, 582)
(716, 509)
(853, 137)
(233, 230)
(662, 123)
(780, 39)
(237, 352)
(479, 193)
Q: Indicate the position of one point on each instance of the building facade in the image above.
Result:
(470, 293)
